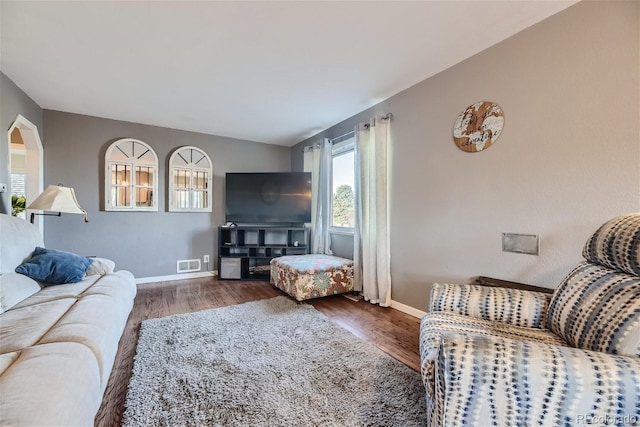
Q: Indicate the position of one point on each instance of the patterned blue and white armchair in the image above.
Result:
(494, 356)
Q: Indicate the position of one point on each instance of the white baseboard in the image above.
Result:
(407, 309)
(182, 276)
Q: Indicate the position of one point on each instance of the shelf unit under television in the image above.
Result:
(245, 252)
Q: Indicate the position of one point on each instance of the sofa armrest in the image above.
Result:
(512, 306)
(514, 382)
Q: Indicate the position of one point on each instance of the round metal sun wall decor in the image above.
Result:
(479, 126)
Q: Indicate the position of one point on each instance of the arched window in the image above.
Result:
(131, 181)
(190, 180)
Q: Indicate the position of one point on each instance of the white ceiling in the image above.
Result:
(267, 71)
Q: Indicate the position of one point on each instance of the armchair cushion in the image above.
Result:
(513, 306)
(498, 381)
(435, 325)
(616, 244)
(597, 308)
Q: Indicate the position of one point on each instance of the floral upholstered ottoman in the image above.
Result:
(312, 276)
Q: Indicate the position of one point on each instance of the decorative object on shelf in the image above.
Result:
(59, 199)
(479, 126)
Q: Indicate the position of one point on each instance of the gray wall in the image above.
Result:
(568, 158)
(146, 243)
(13, 101)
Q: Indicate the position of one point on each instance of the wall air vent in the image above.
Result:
(188, 265)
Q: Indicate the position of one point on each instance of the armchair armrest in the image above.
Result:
(508, 382)
(512, 306)
(492, 281)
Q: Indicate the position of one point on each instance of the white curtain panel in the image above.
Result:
(311, 162)
(317, 160)
(372, 275)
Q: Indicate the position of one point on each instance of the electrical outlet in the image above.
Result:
(205, 259)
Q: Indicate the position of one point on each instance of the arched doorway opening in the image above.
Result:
(26, 161)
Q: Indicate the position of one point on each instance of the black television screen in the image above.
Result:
(268, 198)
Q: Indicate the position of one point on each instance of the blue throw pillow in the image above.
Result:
(53, 267)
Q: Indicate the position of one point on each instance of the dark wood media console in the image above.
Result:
(244, 252)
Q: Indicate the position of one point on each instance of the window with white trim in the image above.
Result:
(343, 186)
(190, 171)
(131, 181)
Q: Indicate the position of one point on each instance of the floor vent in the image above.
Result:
(188, 265)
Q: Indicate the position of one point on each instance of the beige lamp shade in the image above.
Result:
(56, 198)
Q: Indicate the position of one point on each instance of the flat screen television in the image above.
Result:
(268, 198)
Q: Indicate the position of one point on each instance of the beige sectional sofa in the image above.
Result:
(57, 343)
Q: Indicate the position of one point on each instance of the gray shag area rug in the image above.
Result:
(266, 363)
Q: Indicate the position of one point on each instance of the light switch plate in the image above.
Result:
(520, 243)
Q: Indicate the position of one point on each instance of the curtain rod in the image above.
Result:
(347, 135)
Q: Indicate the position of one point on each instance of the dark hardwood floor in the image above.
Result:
(392, 331)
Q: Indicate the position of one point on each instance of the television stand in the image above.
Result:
(245, 252)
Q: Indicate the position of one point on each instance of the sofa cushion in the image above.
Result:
(616, 244)
(7, 360)
(100, 266)
(14, 288)
(54, 267)
(597, 308)
(19, 238)
(51, 384)
(107, 303)
(24, 327)
(53, 293)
